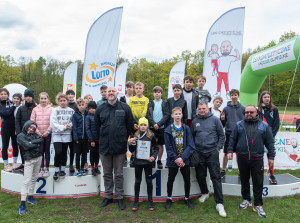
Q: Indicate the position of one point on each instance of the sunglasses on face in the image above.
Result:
(249, 112)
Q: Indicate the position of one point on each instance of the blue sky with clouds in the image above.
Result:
(155, 30)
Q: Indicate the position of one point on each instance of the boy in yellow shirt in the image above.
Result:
(139, 106)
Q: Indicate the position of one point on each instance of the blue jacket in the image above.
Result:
(90, 128)
(78, 122)
(7, 109)
(170, 145)
(262, 137)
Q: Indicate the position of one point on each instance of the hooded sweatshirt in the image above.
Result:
(208, 133)
(29, 142)
(233, 114)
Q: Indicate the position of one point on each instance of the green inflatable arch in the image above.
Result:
(280, 58)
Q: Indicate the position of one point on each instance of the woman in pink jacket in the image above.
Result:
(41, 116)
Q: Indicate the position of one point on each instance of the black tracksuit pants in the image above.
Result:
(6, 134)
(211, 162)
(255, 169)
(185, 171)
(94, 153)
(81, 150)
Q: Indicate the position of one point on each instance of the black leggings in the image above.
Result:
(45, 150)
(94, 154)
(71, 146)
(138, 180)
(6, 134)
(185, 171)
(61, 151)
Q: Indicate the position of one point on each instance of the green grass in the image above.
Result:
(293, 110)
(87, 210)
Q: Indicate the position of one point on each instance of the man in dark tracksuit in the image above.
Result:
(248, 140)
(114, 122)
(208, 134)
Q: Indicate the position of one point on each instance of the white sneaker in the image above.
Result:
(221, 210)
(15, 165)
(46, 174)
(203, 198)
(217, 94)
(41, 173)
(7, 168)
(228, 95)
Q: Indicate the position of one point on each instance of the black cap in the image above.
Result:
(92, 104)
(29, 92)
(70, 92)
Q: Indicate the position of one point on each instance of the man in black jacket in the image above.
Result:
(248, 140)
(114, 122)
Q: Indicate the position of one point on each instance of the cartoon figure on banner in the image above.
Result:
(295, 154)
(223, 64)
(213, 53)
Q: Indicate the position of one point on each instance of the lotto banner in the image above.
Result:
(287, 149)
(176, 76)
(70, 78)
(101, 53)
(120, 78)
(223, 54)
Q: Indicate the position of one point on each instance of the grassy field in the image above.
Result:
(87, 210)
(289, 110)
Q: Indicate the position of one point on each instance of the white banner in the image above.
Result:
(274, 56)
(101, 53)
(176, 76)
(70, 78)
(120, 79)
(287, 147)
(223, 54)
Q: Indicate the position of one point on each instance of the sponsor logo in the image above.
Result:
(80, 185)
(100, 74)
(197, 124)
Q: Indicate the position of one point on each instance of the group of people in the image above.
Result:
(191, 132)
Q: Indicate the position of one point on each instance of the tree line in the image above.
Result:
(46, 74)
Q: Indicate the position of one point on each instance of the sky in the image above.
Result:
(155, 30)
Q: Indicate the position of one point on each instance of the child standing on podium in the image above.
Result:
(146, 150)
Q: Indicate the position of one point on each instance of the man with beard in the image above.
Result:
(114, 122)
(224, 63)
(248, 140)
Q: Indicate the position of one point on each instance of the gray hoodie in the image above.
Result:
(233, 114)
(208, 133)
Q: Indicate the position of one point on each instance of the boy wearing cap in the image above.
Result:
(72, 104)
(93, 137)
(23, 114)
(180, 146)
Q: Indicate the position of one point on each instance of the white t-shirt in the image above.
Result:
(216, 113)
(188, 96)
(224, 63)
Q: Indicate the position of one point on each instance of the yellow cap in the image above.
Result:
(143, 121)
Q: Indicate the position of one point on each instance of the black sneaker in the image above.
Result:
(106, 202)
(135, 205)
(56, 176)
(71, 168)
(223, 173)
(62, 174)
(159, 164)
(98, 171)
(168, 203)
(272, 179)
(189, 203)
(151, 205)
(121, 204)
